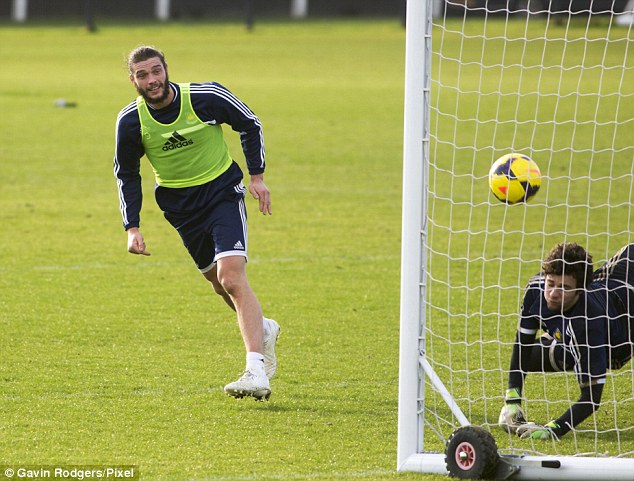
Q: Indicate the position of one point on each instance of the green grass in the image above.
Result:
(113, 359)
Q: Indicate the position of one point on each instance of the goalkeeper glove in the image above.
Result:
(538, 431)
(512, 415)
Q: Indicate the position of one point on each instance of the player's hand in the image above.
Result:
(260, 192)
(136, 244)
(538, 431)
(512, 417)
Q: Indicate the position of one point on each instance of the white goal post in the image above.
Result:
(481, 80)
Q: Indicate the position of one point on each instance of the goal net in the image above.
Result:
(553, 80)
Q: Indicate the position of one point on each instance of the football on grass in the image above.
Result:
(514, 178)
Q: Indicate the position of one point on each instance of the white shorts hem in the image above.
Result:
(220, 256)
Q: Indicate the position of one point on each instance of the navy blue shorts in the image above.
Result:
(210, 218)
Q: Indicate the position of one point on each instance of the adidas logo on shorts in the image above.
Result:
(238, 245)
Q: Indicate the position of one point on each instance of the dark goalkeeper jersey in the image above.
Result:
(213, 104)
(594, 333)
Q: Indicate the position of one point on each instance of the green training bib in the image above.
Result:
(186, 152)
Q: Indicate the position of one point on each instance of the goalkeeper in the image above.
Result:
(587, 324)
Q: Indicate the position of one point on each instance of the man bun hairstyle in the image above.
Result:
(569, 258)
(142, 53)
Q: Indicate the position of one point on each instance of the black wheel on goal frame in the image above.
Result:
(471, 453)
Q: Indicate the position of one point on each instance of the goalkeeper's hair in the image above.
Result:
(569, 258)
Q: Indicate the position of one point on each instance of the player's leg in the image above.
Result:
(212, 276)
(231, 275)
(271, 327)
(229, 278)
(618, 271)
(619, 267)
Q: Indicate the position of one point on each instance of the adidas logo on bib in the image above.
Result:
(176, 141)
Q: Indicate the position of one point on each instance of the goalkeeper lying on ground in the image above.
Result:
(587, 320)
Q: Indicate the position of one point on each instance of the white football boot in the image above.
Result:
(251, 384)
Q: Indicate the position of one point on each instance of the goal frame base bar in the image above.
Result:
(537, 467)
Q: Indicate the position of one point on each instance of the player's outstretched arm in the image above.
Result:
(136, 243)
(588, 403)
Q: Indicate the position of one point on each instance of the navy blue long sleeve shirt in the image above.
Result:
(213, 104)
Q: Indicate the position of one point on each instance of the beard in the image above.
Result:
(158, 100)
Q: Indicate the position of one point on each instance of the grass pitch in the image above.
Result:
(109, 358)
